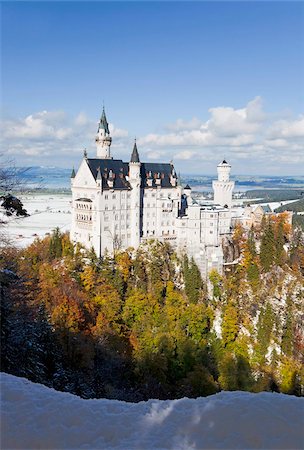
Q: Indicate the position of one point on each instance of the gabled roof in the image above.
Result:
(101, 168)
(117, 170)
(266, 208)
(160, 171)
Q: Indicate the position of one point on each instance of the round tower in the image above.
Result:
(103, 139)
(223, 187)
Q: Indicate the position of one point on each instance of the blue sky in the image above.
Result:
(192, 80)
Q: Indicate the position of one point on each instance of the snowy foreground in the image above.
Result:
(36, 417)
(46, 212)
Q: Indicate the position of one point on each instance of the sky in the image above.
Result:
(194, 82)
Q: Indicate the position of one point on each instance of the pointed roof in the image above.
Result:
(187, 187)
(73, 174)
(135, 156)
(103, 124)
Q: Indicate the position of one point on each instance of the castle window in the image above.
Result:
(114, 196)
(211, 224)
(114, 207)
(211, 232)
(153, 195)
(122, 195)
(106, 207)
(106, 197)
(129, 195)
(116, 216)
(116, 227)
(106, 228)
(106, 218)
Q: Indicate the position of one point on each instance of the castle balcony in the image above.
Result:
(84, 224)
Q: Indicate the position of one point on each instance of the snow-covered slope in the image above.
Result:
(36, 417)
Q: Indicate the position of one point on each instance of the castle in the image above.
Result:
(116, 205)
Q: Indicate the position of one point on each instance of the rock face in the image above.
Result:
(230, 250)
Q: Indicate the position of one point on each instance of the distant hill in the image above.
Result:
(295, 206)
(276, 195)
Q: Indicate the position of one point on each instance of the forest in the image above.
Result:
(143, 323)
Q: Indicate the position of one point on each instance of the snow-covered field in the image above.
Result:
(36, 417)
(47, 211)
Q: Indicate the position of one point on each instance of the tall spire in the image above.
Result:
(103, 139)
(135, 156)
(103, 124)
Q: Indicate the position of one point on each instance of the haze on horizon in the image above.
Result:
(195, 82)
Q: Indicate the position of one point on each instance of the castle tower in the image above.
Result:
(223, 187)
(135, 182)
(103, 139)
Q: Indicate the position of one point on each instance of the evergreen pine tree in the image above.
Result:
(193, 280)
(287, 336)
(279, 244)
(267, 250)
(264, 332)
(55, 247)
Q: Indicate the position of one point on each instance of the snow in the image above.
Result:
(275, 205)
(47, 211)
(36, 417)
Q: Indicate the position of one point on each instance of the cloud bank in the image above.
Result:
(245, 136)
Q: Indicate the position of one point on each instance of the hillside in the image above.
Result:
(297, 206)
(34, 416)
(144, 324)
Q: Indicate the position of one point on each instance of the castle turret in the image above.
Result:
(223, 187)
(103, 139)
(135, 182)
(187, 192)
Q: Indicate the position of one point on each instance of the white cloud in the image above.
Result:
(186, 154)
(117, 132)
(243, 134)
(81, 119)
(181, 124)
(41, 125)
